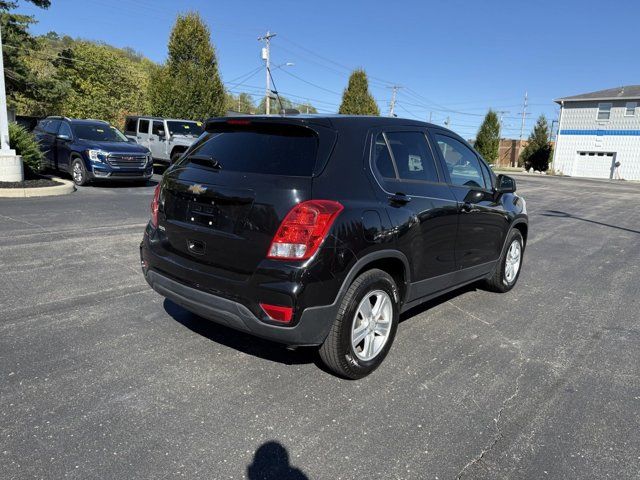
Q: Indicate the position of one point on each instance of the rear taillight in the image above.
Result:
(155, 203)
(303, 230)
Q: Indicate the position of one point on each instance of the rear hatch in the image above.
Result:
(223, 201)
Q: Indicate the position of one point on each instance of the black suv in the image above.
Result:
(312, 230)
(92, 150)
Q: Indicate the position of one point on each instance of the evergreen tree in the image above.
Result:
(18, 43)
(488, 137)
(537, 153)
(356, 99)
(188, 85)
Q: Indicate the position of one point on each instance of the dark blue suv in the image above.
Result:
(92, 150)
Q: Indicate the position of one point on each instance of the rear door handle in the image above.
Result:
(399, 199)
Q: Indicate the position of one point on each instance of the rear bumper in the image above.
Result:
(312, 328)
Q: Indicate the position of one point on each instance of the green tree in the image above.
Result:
(306, 107)
(538, 151)
(356, 99)
(488, 137)
(104, 82)
(286, 104)
(242, 103)
(274, 105)
(188, 85)
(18, 43)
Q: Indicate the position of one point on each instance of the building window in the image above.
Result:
(630, 109)
(604, 111)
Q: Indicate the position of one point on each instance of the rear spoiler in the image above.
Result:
(214, 124)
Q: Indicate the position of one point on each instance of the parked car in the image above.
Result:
(92, 150)
(167, 138)
(313, 230)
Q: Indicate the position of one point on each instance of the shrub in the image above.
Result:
(26, 145)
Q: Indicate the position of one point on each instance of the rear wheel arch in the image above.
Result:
(72, 157)
(391, 262)
(178, 149)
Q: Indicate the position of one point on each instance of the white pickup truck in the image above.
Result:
(167, 138)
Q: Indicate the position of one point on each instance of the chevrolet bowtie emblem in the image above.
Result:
(197, 189)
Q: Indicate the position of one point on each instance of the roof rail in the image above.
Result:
(59, 116)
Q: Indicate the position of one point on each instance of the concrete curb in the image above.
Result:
(64, 189)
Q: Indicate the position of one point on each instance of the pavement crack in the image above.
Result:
(83, 248)
(505, 403)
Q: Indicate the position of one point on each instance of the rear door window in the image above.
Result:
(143, 126)
(268, 149)
(42, 125)
(52, 127)
(412, 156)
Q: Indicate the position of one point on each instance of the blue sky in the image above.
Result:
(452, 58)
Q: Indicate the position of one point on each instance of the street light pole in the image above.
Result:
(10, 164)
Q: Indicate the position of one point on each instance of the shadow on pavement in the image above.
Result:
(559, 214)
(417, 310)
(238, 340)
(121, 184)
(271, 462)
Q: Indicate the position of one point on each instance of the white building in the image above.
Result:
(598, 129)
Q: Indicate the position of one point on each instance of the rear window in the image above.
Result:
(130, 125)
(267, 149)
(184, 128)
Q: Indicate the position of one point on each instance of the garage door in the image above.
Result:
(594, 164)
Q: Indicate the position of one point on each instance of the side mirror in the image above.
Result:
(162, 134)
(62, 136)
(506, 184)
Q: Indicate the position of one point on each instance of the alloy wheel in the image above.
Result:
(512, 262)
(371, 325)
(78, 174)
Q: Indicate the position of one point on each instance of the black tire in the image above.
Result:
(498, 282)
(337, 352)
(83, 177)
(175, 156)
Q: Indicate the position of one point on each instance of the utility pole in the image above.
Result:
(10, 164)
(430, 117)
(392, 105)
(501, 113)
(524, 114)
(266, 56)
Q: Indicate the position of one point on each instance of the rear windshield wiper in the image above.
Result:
(206, 160)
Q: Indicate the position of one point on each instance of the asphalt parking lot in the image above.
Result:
(102, 378)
